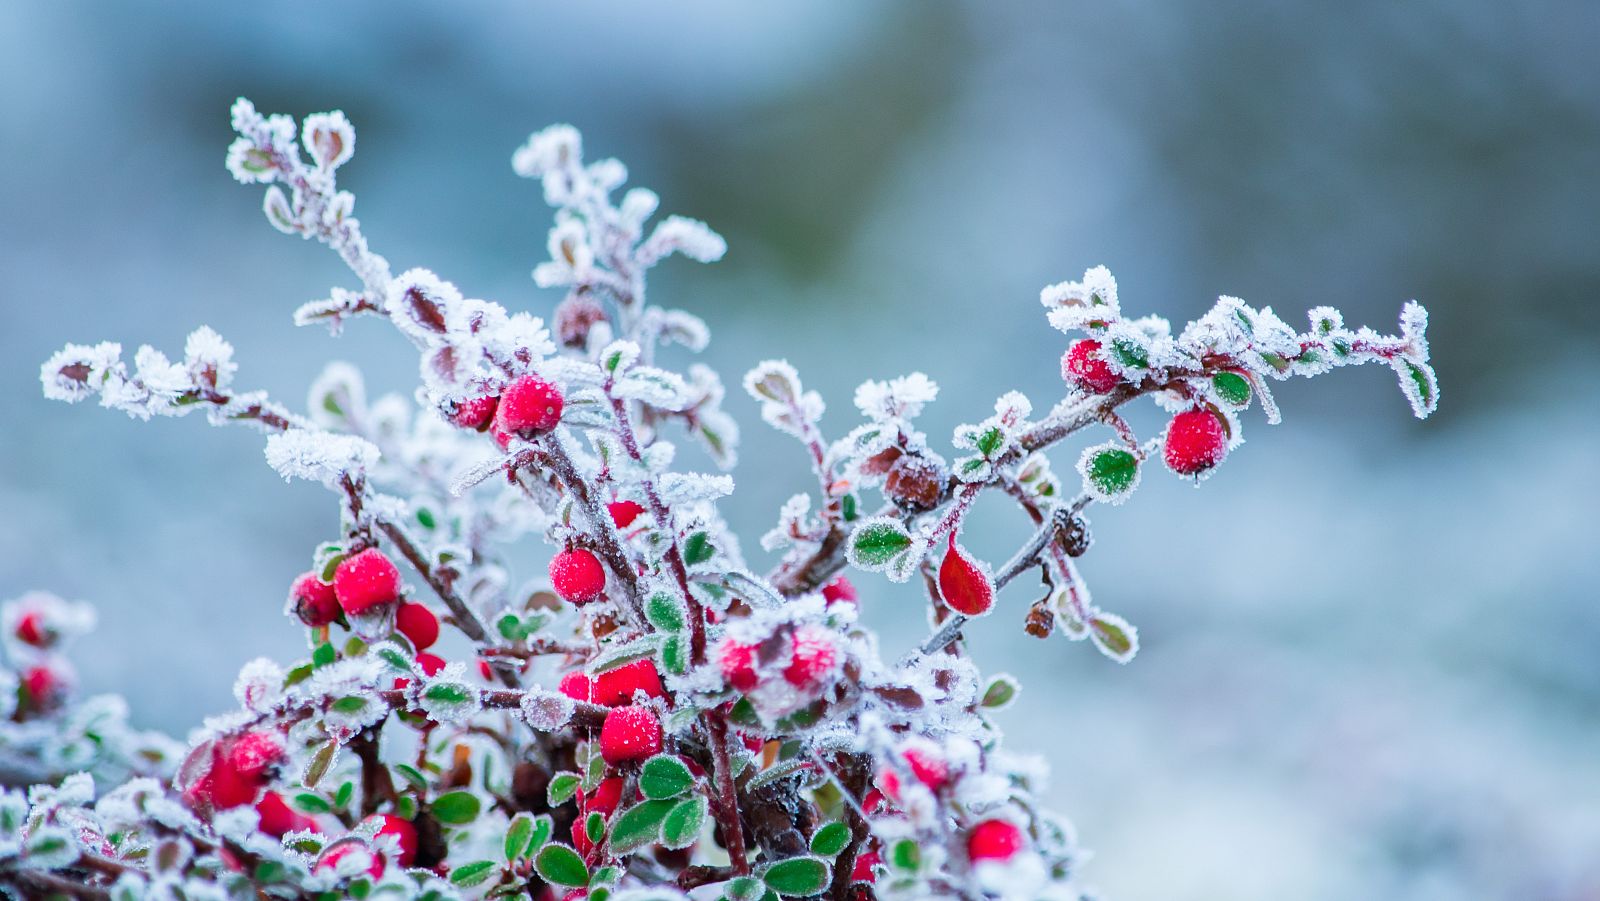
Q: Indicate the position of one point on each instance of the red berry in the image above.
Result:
(963, 584)
(604, 799)
(1195, 442)
(32, 630)
(313, 600)
(813, 657)
(278, 818)
(1081, 367)
(628, 734)
(405, 834)
(364, 581)
(253, 754)
(418, 624)
(872, 801)
(889, 782)
(484, 670)
(577, 686)
(476, 413)
(228, 787)
(430, 663)
(501, 438)
(840, 589)
(927, 767)
(42, 684)
(580, 837)
(864, 871)
(738, 662)
(623, 513)
(332, 856)
(577, 575)
(616, 687)
(529, 406)
(994, 840)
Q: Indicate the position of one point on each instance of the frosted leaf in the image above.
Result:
(638, 205)
(879, 543)
(656, 387)
(249, 164)
(333, 310)
(898, 398)
(162, 378)
(208, 358)
(555, 147)
(420, 304)
(329, 139)
(618, 357)
(280, 215)
(546, 711)
(1091, 303)
(1114, 636)
(693, 488)
(318, 456)
(679, 234)
(448, 697)
(607, 174)
(338, 396)
(1419, 384)
(49, 848)
(1110, 472)
(685, 328)
(795, 523)
(260, 685)
(571, 259)
(78, 370)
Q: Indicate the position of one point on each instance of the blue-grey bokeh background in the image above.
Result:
(1369, 643)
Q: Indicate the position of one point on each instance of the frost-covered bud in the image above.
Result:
(528, 407)
(997, 840)
(1195, 442)
(476, 413)
(313, 600)
(365, 580)
(575, 317)
(401, 830)
(616, 687)
(915, 482)
(813, 657)
(418, 624)
(629, 734)
(577, 575)
(1082, 366)
(43, 686)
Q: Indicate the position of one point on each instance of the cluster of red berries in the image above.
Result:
(526, 408)
(241, 767)
(812, 657)
(615, 687)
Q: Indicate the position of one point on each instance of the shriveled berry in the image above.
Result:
(577, 575)
(813, 657)
(738, 664)
(629, 734)
(364, 581)
(476, 413)
(915, 483)
(418, 624)
(1082, 366)
(994, 840)
(963, 584)
(529, 406)
(404, 833)
(840, 589)
(1195, 442)
(313, 600)
(577, 685)
(616, 687)
(623, 513)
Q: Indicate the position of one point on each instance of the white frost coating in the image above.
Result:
(547, 711)
(1075, 305)
(209, 358)
(899, 398)
(680, 234)
(329, 139)
(319, 456)
(260, 685)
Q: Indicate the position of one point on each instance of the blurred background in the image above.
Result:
(1368, 665)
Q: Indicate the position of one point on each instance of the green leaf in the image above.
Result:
(682, 825)
(619, 655)
(675, 654)
(517, 835)
(320, 762)
(1130, 354)
(697, 549)
(297, 675)
(323, 655)
(638, 826)
(990, 441)
(1114, 636)
(469, 874)
(905, 855)
(603, 876)
(1233, 388)
(341, 798)
(876, 543)
(394, 657)
(561, 865)
(448, 693)
(311, 803)
(664, 612)
(456, 808)
(348, 704)
(1001, 691)
(412, 775)
(594, 826)
(425, 518)
(1110, 472)
(744, 888)
(830, 839)
(797, 876)
(847, 507)
(563, 786)
(664, 776)
(543, 826)
(405, 807)
(270, 871)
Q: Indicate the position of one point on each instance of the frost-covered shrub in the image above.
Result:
(651, 718)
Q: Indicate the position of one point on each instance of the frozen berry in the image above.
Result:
(475, 413)
(228, 787)
(915, 483)
(577, 686)
(313, 600)
(32, 630)
(331, 857)
(994, 840)
(278, 818)
(623, 513)
(42, 685)
(404, 834)
(738, 663)
(364, 581)
(529, 406)
(430, 663)
(1195, 442)
(1081, 367)
(629, 734)
(254, 754)
(577, 575)
(604, 799)
(418, 624)
(840, 589)
(581, 842)
(864, 870)
(616, 687)
(927, 767)
(963, 584)
(812, 657)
